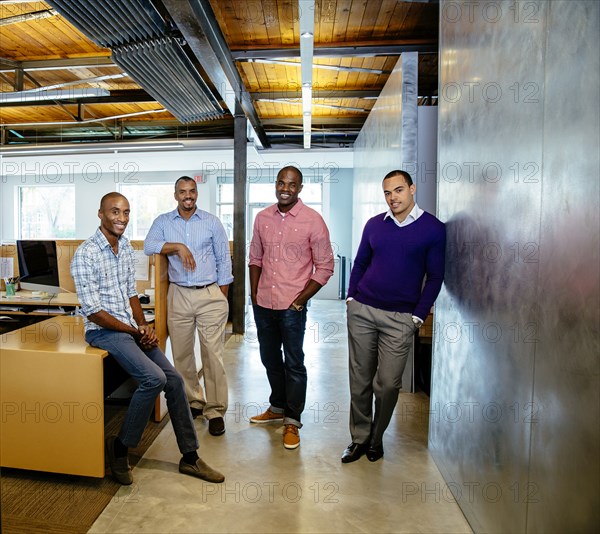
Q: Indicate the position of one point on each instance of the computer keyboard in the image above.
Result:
(51, 311)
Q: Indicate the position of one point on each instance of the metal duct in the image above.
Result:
(110, 23)
(136, 34)
(162, 68)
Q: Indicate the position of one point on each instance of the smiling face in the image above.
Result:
(186, 195)
(114, 216)
(287, 188)
(399, 196)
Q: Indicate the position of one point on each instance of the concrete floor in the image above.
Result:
(271, 489)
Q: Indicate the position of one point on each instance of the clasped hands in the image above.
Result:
(147, 337)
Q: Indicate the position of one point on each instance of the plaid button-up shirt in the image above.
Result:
(104, 280)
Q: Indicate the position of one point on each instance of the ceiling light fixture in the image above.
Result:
(338, 68)
(8, 152)
(307, 28)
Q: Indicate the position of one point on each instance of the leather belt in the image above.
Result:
(196, 287)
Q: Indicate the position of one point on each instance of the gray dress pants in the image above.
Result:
(379, 343)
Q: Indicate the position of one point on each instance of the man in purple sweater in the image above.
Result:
(387, 302)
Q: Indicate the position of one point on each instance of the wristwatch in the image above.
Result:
(297, 307)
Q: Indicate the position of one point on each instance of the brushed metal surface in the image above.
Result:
(565, 448)
(511, 87)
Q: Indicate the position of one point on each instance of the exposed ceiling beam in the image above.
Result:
(338, 68)
(34, 15)
(297, 121)
(116, 97)
(317, 93)
(81, 122)
(197, 23)
(58, 64)
(429, 47)
(33, 95)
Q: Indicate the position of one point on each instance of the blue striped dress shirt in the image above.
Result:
(204, 235)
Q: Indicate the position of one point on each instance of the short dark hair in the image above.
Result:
(185, 179)
(111, 195)
(291, 168)
(407, 177)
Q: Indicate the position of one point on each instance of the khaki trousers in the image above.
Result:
(201, 311)
(379, 343)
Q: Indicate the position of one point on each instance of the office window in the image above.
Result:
(46, 212)
(147, 201)
(259, 197)
(225, 207)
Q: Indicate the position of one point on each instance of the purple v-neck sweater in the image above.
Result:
(392, 262)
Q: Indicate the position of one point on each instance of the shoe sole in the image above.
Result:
(262, 422)
(290, 447)
(213, 480)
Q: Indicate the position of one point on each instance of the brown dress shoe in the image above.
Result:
(201, 470)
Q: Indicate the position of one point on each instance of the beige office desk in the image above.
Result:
(52, 399)
(26, 299)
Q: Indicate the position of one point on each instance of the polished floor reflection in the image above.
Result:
(271, 489)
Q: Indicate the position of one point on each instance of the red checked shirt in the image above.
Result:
(291, 250)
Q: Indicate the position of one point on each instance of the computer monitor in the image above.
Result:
(38, 266)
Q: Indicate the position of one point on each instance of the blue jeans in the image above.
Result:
(287, 376)
(153, 374)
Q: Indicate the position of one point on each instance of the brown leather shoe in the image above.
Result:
(216, 426)
(201, 470)
(291, 437)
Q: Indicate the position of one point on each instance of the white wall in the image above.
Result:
(94, 175)
(97, 174)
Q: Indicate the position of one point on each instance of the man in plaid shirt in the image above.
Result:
(103, 271)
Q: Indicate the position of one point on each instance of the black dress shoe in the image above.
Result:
(216, 426)
(196, 412)
(374, 452)
(353, 452)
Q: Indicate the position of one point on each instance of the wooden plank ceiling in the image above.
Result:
(357, 43)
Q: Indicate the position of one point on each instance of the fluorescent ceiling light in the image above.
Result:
(40, 95)
(307, 29)
(306, 99)
(78, 82)
(338, 68)
(88, 149)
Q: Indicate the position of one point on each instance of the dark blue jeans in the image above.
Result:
(286, 372)
(153, 374)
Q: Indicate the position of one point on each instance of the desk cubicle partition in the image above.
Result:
(52, 389)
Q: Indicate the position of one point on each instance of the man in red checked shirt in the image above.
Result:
(290, 260)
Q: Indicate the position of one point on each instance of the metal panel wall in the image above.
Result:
(565, 448)
(515, 274)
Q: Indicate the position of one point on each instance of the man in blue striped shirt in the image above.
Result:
(197, 248)
(103, 271)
